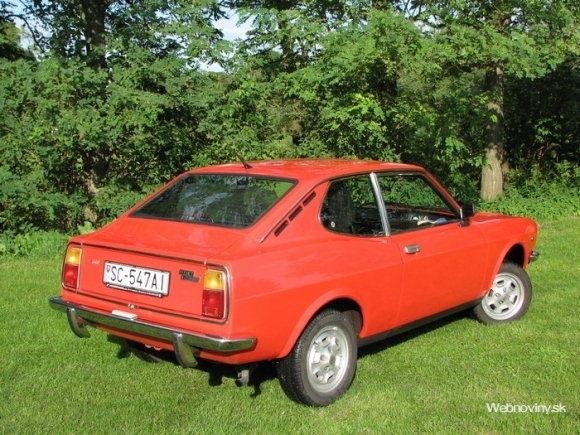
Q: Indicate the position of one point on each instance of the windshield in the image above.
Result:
(228, 200)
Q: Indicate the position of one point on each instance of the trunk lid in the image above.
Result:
(151, 264)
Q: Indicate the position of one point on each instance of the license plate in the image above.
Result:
(139, 279)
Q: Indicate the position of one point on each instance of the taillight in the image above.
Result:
(71, 266)
(214, 294)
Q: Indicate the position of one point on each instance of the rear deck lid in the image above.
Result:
(150, 264)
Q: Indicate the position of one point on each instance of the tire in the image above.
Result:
(509, 297)
(144, 353)
(322, 365)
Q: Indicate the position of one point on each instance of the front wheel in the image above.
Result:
(509, 297)
(322, 364)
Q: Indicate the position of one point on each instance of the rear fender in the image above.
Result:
(314, 308)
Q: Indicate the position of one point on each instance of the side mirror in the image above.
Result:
(466, 211)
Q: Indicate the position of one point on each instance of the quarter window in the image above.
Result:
(350, 207)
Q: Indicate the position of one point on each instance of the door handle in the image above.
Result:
(412, 249)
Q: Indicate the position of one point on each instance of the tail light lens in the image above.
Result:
(214, 294)
(71, 267)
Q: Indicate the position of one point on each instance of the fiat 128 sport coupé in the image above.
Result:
(299, 262)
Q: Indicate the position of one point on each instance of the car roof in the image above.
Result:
(307, 169)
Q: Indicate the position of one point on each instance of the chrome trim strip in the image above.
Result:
(380, 203)
(534, 255)
(84, 316)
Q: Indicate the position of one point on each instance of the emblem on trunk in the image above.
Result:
(188, 275)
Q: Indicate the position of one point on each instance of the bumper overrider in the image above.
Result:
(185, 344)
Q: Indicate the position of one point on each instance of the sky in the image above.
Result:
(230, 30)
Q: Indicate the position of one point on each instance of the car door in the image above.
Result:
(443, 258)
(368, 262)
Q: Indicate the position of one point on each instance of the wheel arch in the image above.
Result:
(351, 310)
(348, 305)
(516, 254)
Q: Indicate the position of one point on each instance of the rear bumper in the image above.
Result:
(79, 317)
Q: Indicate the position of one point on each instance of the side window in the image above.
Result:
(412, 203)
(350, 207)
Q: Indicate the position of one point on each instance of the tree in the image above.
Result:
(349, 94)
(544, 128)
(286, 34)
(101, 126)
(502, 37)
(10, 47)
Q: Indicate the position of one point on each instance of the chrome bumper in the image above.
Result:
(79, 317)
(534, 256)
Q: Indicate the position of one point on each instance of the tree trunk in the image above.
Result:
(93, 14)
(94, 172)
(492, 175)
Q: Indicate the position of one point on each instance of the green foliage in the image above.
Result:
(544, 125)
(250, 117)
(86, 228)
(29, 197)
(73, 134)
(347, 96)
(10, 47)
(34, 245)
(119, 102)
(548, 202)
(110, 203)
(447, 116)
(541, 196)
(507, 40)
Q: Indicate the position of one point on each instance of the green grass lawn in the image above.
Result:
(437, 380)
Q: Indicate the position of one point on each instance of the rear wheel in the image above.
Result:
(509, 297)
(322, 365)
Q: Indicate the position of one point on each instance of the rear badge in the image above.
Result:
(188, 275)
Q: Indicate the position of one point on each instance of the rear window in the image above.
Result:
(227, 200)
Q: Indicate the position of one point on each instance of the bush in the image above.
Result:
(546, 196)
(538, 201)
(27, 204)
(35, 245)
(113, 201)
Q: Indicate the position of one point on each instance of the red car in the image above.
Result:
(295, 261)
